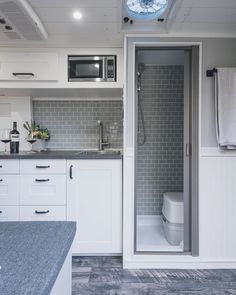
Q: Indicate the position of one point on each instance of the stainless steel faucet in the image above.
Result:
(101, 142)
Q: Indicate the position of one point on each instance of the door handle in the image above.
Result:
(1, 180)
(0, 166)
(42, 180)
(0, 212)
(188, 150)
(71, 171)
(42, 167)
(41, 212)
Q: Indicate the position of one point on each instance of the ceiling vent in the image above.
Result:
(24, 21)
(148, 16)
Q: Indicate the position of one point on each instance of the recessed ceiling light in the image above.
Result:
(77, 15)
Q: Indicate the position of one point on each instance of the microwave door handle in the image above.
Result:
(104, 68)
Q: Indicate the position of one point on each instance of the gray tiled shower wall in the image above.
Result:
(73, 124)
(160, 159)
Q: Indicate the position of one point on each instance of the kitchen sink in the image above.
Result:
(96, 152)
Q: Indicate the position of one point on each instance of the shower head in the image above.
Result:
(141, 68)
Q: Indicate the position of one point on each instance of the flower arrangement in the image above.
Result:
(35, 131)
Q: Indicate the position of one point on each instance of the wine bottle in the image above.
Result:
(15, 140)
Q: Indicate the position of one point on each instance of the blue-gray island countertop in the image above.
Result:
(32, 255)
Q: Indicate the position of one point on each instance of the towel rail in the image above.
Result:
(210, 73)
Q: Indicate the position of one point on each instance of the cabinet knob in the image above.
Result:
(1, 180)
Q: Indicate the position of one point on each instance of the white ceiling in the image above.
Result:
(102, 20)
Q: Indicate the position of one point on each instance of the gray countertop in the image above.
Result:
(32, 254)
(68, 155)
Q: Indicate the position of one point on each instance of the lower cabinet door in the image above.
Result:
(9, 213)
(42, 213)
(94, 201)
(9, 190)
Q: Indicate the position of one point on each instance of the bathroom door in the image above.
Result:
(191, 149)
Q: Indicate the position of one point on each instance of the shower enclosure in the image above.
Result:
(162, 145)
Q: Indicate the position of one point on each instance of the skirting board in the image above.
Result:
(154, 264)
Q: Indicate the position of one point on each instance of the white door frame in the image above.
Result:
(130, 259)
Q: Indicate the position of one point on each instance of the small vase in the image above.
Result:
(39, 145)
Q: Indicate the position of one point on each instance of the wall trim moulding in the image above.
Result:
(77, 99)
(216, 152)
(190, 264)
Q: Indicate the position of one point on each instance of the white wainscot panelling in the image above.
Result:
(217, 207)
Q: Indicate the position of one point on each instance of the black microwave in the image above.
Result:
(95, 68)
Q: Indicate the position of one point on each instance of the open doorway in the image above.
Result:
(163, 157)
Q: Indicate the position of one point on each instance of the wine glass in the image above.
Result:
(5, 136)
(31, 139)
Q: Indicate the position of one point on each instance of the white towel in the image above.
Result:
(225, 103)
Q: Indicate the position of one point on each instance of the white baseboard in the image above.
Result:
(179, 264)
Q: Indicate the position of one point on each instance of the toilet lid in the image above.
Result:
(173, 207)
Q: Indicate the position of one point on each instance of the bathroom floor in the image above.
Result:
(150, 235)
(105, 276)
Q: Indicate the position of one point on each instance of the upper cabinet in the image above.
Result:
(28, 66)
(48, 68)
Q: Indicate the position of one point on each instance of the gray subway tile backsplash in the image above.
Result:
(73, 124)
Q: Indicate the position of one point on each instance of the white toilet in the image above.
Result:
(173, 217)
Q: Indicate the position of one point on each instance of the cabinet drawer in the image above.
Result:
(43, 189)
(9, 213)
(9, 189)
(41, 213)
(43, 166)
(9, 166)
(28, 66)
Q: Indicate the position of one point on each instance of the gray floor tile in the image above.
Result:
(105, 276)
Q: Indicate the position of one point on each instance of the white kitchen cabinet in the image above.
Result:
(42, 213)
(94, 201)
(9, 189)
(26, 65)
(45, 166)
(32, 190)
(9, 166)
(46, 189)
(9, 213)
(47, 68)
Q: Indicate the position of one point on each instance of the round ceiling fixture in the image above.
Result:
(146, 9)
